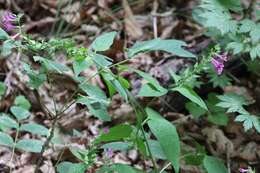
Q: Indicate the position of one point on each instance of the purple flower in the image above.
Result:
(218, 62)
(222, 56)
(106, 130)
(8, 19)
(218, 65)
(243, 170)
(109, 152)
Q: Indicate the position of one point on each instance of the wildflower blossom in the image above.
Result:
(8, 19)
(218, 62)
(243, 170)
(106, 130)
(109, 152)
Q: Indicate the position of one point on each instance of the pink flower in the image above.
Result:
(218, 62)
(219, 66)
(222, 56)
(243, 170)
(106, 130)
(109, 152)
(8, 19)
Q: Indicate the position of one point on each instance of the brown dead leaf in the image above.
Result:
(250, 152)
(216, 137)
(131, 26)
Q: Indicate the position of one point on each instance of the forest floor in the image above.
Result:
(136, 20)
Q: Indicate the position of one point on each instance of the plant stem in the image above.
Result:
(149, 150)
(165, 167)
(67, 105)
(13, 149)
(45, 145)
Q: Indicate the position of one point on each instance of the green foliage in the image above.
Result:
(2, 89)
(6, 121)
(21, 101)
(20, 113)
(104, 41)
(35, 129)
(116, 133)
(237, 36)
(3, 35)
(167, 136)
(214, 165)
(191, 94)
(170, 46)
(151, 88)
(117, 168)
(30, 145)
(249, 121)
(6, 140)
(68, 167)
(232, 101)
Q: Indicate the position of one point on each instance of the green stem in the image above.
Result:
(149, 150)
(13, 149)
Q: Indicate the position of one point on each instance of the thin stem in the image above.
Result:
(165, 167)
(45, 145)
(13, 149)
(67, 105)
(149, 150)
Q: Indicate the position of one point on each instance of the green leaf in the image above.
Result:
(255, 33)
(249, 121)
(95, 93)
(80, 65)
(232, 101)
(171, 46)
(195, 110)
(121, 146)
(104, 42)
(35, 129)
(68, 167)
(21, 101)
(236, 47)
(191, 94)
(246, 26)
(7, 47)
(167, 136)
(156, 149)
(2, 89)
(117, 168)
(101, 60)
(152, 88)
(214, 165)
(115, 85)
(255, 52)
(98, 109)
(116, 133)
(51, 65)
(36, 78)
(30, 145)
(219, 80)
(218, 119)
(3, 34)
(213, 10)
(20, 113)
(6, 121)
(6, 140)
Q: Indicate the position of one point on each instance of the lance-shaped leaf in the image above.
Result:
(167, 136)
(171, 46)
